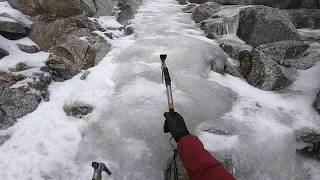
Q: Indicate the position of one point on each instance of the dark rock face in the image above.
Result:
(28, 48)
(305, 18)
(316, 103)
(55, 8)
(128, 30)
(198, 1)
(261, 25)
(261, 71)
(182, 2)
(205, 11)
(14, 104)
(308, 143)
(3, 53)
(11, 29)
(291, 54)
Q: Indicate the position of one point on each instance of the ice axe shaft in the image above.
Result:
(167, 80)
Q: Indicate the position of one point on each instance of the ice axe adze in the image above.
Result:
(167, 80)
(98, 169)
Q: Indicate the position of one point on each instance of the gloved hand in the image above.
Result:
(175, 125)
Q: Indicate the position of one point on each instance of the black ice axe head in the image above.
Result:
(98, 169)
(163, 57)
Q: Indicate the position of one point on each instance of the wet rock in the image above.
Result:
(19, 67)
(128, 30)
(316, 103)
(46, 35)
(3, 53)
(78, 111)
(213, 28)
(57, 8)
(28, 48)
(69, 59)
(205, 11)
(109, 35)
(12, 29)
(283, 4)
(128, 8)
(260, 25)
(308, 142)
(305, 18)
(14, 104)
(198, 1)
(261, 71)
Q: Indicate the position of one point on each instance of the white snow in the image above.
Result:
(5, 8)
(125, 129)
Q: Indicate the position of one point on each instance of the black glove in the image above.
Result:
(175, 125)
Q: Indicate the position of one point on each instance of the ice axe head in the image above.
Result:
(163, 57)
(98, 169)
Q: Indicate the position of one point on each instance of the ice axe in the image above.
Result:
(167, 80)
(98, 169)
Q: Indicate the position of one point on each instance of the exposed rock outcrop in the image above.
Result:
(29, 48)
(261, 71)
(78, 110)
(54, 8)
(11, 29)
(205, 11)
(305, 18)
(316, 103)
(261, 25)
(128, 8)
(3, 53)
(291, 54)
(46, 35)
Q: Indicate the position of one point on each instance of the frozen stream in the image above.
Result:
(125, 130)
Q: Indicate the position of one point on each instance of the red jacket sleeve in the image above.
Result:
(199, 163)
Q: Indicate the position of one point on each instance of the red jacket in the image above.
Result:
(199, 163)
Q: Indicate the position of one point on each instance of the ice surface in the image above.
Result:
(125, 129)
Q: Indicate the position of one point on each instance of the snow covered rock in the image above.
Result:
(78, 111)
(128, 8)
(3, 53)
(291, 54)
(305, 18)
(261, 25)
(205, 11)
(308, 142)
(28, 48)
(46, 35)
(261, 71)
(12, 29)
(55, 8)
(316, 103)
(15, 103)
(19, 67)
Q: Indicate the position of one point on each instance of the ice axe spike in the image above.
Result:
(98, 169)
